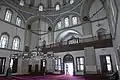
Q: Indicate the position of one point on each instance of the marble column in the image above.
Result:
(90, 61)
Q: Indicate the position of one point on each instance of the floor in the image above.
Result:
(55, 77)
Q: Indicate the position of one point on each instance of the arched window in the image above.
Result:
(41, 7)
(74, 20)
(57, 7)
(4, 40)
(18, 21)
(66, 20)
(71, 1)
(22, 2)
(8, 15)
(16, 43)
(59, 25)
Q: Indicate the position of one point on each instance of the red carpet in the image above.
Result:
(56, 77)
(49, 77)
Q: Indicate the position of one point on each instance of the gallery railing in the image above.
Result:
(78, 40)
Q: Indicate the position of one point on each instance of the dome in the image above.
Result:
(34, 6)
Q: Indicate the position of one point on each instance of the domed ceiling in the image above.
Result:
(32, 6)
(46, 3)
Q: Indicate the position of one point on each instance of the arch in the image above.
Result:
(6, 42)
(42, 7)
(6, 11)
(16, 10)
(66, 21)
(5, 33)
(57, 6)
(68, 58)
(16, 38)
(86, 8)
(59, 25)
(35, 18)
(73, 23)
(66, 33)
(65, 15)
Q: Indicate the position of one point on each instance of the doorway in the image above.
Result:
(68, 65)
(43, 66)
(68, 68)
(106, 64)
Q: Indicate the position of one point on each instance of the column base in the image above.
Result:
(91, 69)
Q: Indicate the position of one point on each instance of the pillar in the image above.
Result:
(50, 66)
(64, 2)
(90, 60)
(27, 42)
(87, 29)
(49, 3)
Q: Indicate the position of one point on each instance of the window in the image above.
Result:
(80, 63)
(59, 25)
(13, 64)
(58, 64)
(2, 64)
(71, 1)
(16, 43)
(4, 41)
(44, 63)
(74, 20)
(22, 2)
(109, 67)
(57, 7)
(18, 21)
(40, 7)
(8, 15)
(66, 22)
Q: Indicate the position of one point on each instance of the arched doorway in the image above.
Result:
(68, 64)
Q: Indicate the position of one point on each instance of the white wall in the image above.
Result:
(12, 30)
(105, 51)
(101, 14)
(81, 53)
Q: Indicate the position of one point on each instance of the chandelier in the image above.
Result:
(38, 51)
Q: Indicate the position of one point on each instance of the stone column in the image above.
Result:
(90, 60)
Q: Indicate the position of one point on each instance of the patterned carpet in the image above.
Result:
(50, 77)
(56, 77)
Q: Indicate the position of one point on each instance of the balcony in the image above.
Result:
(79, 44)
